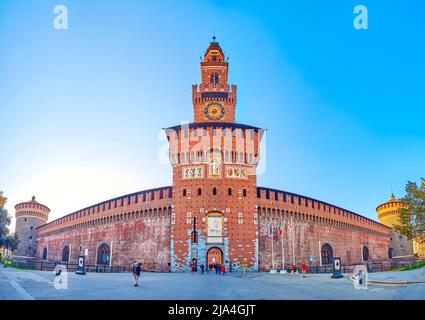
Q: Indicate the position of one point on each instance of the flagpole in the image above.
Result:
(283, 249)
(293, 241)
(271, 226)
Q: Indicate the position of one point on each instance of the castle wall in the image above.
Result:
(314, 223)
(134, 226)
(135, 238)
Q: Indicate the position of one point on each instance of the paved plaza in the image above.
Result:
(22, 284)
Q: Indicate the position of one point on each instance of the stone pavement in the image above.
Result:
(20, 284)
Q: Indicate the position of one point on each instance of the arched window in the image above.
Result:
(65, 254)
(214, 78)
(184, 192)
(103, 254)
(365, 253)
(214, 191)
(199, 191)
(327, 254)
(45, 253)
(244, 192)
(229, 191)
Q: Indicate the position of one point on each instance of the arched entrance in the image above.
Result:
(45, 253)
(65, 254)
(103, 254)
(365, 253)
(327, 254)
(214, 255)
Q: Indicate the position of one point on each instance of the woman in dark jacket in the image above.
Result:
(136, 273)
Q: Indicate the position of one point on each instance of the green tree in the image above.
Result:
(9, 242)
(6, 240)
(5, 219)
(412, 216)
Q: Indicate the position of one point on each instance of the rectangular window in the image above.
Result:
(240, 218)
(188, 218)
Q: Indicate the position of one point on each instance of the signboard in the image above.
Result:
(336, 268)
(215, 229)
(80, 268)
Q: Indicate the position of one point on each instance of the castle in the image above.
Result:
(213, 212)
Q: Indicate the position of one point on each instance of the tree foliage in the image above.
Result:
(6, 240)
(5, 219)
(412, 215)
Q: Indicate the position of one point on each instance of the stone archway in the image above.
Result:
(214, 255)
(44, 257)
(365, 253)
(327, 254)
(65, 254)
(103, 254)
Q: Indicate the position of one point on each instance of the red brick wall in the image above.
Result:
(314, 225)
(143, 238)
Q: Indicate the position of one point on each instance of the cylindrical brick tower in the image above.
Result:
(29, 216)
(389, 215)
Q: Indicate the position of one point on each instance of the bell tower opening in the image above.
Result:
(214, 100)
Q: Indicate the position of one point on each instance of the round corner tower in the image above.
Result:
(29, 216)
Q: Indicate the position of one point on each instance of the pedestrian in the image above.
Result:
(223, 269)
(202, 268)
(219, 268)
(136, 272)
(216, 268)
(294, 269)
(230, 267)
(304, 269)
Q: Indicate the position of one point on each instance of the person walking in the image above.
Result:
(304, 269)
(202, 268)
(136, 272)
(223, 269)
(219, 268)
(294, 269)
(216, 268)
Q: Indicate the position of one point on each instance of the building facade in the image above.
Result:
(213, 212)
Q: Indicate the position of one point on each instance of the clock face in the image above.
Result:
(214, 110)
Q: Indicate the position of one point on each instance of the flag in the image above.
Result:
(281, 228)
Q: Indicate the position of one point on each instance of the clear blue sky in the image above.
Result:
(82, 109)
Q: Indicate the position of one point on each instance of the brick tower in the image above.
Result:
(214, 164)
(29, 216)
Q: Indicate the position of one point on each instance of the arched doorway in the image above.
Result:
(365, 253)
(65, 254)
(103, 254)
(45, 253)
(327, 254)
(214, 255)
